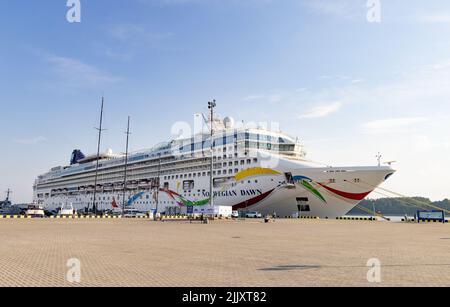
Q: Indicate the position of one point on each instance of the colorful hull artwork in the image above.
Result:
(181, 201)
(352, 196)
(134, 198)
(253, 172)
(307, 183)
(303, 181)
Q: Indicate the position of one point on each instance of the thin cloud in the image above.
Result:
(31, 141)
(274, 98)
(392, 124)
(77, 72)
(436, 18)
(323, 110)
(253, 97)
(347, 9)
(132, 32)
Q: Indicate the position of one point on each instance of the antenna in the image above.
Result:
(379, 156)
(205, 120)
(100, 130)
(126, 167)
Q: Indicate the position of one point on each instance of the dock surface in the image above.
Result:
(223, 253)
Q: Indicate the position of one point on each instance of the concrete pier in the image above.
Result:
(302, 252)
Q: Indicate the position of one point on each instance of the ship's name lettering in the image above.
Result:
(231, 193)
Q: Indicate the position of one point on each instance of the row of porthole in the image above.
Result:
(148, 196)
(255, 160)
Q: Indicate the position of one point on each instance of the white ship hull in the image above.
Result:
(328, 192)
(254, 169)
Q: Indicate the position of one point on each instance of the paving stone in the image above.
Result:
(223, 253)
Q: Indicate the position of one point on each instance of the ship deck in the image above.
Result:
(246, 253)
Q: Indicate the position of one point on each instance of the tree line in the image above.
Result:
(399, 206)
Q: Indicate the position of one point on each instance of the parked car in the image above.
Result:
(253, 215)
(66, 210)
(35, 211)
(235, 214)
(133, 213)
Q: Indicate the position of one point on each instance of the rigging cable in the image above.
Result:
(413, 202)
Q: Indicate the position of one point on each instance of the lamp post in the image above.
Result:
(373, 206)
(158, 187)
(126, 168)
(211, 106)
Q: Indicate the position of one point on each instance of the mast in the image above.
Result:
(211, 106)
(126, 168)
(100, 130)
(379, 156)
(8, 193)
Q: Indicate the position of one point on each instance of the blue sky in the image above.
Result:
(348, 88)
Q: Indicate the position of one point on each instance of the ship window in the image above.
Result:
(302, 204)
(219, 182)
(166, 185)
(289, 178)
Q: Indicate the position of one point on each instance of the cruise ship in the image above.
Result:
(253, 168)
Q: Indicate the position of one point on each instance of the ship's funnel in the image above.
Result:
(77, 155)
